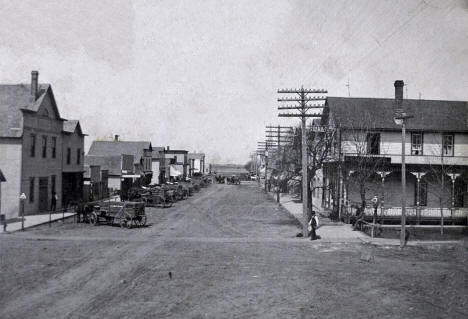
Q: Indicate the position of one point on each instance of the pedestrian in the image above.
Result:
(53, 202)
(313, 225)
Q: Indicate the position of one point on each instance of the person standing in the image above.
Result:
(53, 202)
(313, 225)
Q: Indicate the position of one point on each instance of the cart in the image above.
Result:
(125, 214)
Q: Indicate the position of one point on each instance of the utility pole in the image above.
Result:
(280, 133)
(303, 105)
(266, 144)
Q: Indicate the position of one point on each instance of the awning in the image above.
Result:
(173, 171)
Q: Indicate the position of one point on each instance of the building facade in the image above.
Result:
(196, 163)
(367, 158)
(31, 146)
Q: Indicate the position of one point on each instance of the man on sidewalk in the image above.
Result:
(53, 202)
(313, 224)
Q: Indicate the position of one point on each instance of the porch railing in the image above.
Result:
(413, 212)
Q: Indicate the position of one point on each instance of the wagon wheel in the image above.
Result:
(93, 219)
(126, 221)
(141, 220)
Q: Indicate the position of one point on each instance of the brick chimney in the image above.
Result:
(34, 84)
(399, 84)
(116, 137)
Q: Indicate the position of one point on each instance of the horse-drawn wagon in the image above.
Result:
(125, 214)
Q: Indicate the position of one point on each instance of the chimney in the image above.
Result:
(34, 84)
(116, 138)
(399, 84)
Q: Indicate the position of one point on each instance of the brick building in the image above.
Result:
(31, 146)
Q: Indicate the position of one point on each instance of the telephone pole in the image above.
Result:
(303, 103)
(266, 146)
(281, 134)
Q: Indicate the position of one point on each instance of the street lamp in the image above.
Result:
(22, 199)
(400, 119)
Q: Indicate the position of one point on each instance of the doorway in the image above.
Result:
(43, 193)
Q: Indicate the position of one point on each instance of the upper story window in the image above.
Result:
(447, 144)
(416, 143)
(78, 156)
(44, 146)
(373, 143)
(33, 145)
(68, 155)
(54, 147)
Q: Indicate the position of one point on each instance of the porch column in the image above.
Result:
(382, 174)
(453, 177)
(418, 175)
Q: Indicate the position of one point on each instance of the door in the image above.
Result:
(43, 193)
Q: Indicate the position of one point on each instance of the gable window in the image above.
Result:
(54, 147)
(447, 144)
(68, 155)
(78, 156)
(44, 146)
(373, 143)
(33, 145)
(31, 189)
(416, 144)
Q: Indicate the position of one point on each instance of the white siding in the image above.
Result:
(10, 164)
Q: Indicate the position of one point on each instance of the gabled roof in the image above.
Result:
(117, 148)
(374, 113)
(111, 163)
(15, 99)
(72, 126)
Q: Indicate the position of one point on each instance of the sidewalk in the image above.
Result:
(34, 220)
(339, 232)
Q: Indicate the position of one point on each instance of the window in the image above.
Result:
(44, 146)
(373, 143)
(78, 156)
(54, 147)
(52, 186)
(447, 145)
(31, 189)
(416, 144)
(33, 145)
(422, 194)
(68, 155)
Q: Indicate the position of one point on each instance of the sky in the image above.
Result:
(203, 75)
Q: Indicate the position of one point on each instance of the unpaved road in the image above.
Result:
(227, 252)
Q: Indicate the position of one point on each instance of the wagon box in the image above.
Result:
(126, 214)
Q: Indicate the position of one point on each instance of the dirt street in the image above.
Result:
(227, 252)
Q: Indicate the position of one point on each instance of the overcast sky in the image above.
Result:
(203, 75)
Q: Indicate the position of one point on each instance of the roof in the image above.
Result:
(13, 99)
(375, 113)
(117, 148)
(156, 150)
(196, 155)
(70, 126)
(2, 177)
(111, 163)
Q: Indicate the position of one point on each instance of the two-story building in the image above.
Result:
(196, 163)
(367, 156)
(31, 146)
(157, 158)
(72, 161)
(174, 165)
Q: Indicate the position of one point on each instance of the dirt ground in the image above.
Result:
(227, 252)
